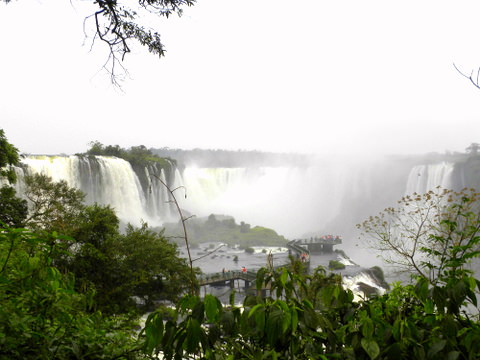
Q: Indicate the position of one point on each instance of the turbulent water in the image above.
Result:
(328, 196)
(214, 257)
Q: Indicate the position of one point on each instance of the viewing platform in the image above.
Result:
(319, 244)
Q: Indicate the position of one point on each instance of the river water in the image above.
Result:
(215, 257)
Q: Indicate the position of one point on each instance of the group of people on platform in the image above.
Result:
(243, 269)
(329, 237)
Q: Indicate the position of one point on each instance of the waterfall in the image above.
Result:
(157, 198)
(328, 195)
(107, 181)
(290, 200)
(423, 178)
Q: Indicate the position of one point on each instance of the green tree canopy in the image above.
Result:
(153, 266)
(42, 316)
(53, 206)
(139, 264)
(135, 155)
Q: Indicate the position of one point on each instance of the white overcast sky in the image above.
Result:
(319, 76)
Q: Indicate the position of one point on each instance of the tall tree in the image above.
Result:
(53, 206)
(139, 264)
(96, 261)
(155, 269)
(427, 233)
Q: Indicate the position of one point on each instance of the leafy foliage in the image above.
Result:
(430, 235)
(117, 25)
(13, 210)
(139, 264)
(304, 316)
(53, 206)
(136, 155)
(51, 287)
(42, 316)
(314, 317)
(125, 269)
(156, 271)
(8, 158)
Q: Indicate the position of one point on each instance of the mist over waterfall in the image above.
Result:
(327, 195)
(287, 199)
(290, 200)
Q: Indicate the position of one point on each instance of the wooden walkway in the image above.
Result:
(228, 278)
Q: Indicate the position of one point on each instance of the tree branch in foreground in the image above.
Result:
(117, 25)
(476, 81)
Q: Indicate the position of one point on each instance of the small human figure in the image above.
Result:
(244, 269)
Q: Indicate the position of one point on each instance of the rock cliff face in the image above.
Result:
(323, 196)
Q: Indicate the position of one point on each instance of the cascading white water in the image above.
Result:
(423, 178)
(157, 198)
(329, 194)
(290, 200)
(104, 180)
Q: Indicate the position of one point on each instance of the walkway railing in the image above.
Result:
(221, 278)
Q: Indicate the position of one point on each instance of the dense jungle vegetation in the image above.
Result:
(136, 155)
(73, 287)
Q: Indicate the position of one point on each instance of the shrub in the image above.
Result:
(249, 250)
(335, 265)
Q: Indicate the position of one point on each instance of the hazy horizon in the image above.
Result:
(328, 78)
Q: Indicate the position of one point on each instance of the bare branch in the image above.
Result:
(211, 252)
(116, 26)
(183, 220)
(475, 82)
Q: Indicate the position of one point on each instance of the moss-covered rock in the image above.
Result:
(335, 265)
